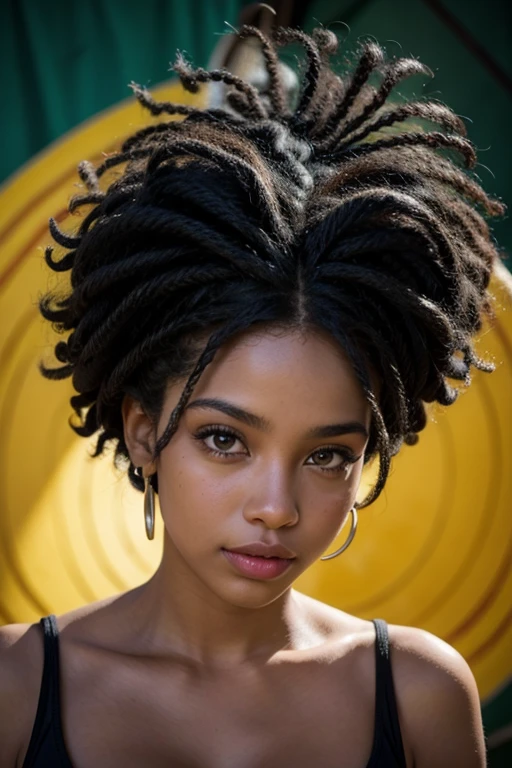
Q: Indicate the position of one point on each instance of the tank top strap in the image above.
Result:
(47, 730)
(388, 738)
(51, 662)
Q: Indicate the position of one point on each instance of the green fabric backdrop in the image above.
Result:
(64, 60)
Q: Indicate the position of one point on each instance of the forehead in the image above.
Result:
(278, 373)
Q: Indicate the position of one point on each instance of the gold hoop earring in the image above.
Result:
(351, 535)
(149, 508)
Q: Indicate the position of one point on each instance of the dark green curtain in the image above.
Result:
(468, 45)
(65, 60)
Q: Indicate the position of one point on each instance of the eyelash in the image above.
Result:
(205, 432)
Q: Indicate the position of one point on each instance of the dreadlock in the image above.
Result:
(336, 213)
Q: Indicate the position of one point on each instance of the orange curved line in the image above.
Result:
(483, 528)
(9, 551)
(506, 564)
(412, 568)
(492, 593)
(20, 257)
(34, 201)
(503, 336)
(92, 536)
(492, 640)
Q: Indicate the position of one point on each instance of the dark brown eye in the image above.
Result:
(223, 442)
(323, 458)
(327, 458)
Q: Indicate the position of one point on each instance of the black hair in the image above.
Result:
(336, 213)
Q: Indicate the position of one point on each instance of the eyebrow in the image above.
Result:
(336, 430)
(258, 422)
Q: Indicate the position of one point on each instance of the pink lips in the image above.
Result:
(260, 561)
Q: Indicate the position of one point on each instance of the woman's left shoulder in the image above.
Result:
(437, 698)
(428, 658)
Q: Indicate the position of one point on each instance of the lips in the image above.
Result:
(260, 549)
(259, 560)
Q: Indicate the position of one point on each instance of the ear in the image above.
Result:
(139, 434)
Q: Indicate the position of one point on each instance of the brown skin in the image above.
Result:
(204, 668)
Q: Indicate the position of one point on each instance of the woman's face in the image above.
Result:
(269, 451)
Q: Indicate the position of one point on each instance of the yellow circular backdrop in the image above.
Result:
(434, 551)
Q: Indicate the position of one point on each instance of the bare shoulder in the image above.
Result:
(21, 654)
(21, 664)
(422, 653)
(438, 700)
(437, 697)
(21, 669)
(331, 625)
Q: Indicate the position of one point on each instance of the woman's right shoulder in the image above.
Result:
(21, 667)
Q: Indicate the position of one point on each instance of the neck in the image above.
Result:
(176, 613)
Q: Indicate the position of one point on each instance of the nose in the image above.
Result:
(272, 500)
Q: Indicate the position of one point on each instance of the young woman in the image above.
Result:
(261, 303)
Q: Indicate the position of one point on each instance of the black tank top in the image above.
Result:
(48, 750)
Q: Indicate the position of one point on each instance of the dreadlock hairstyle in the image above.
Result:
(332, 213)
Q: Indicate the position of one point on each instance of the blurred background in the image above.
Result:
(436, 550)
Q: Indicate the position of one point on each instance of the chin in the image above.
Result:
(251, 593)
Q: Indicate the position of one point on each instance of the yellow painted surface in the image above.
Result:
(434, 551)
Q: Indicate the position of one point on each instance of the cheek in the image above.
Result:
(196, 495)
(324, 505)
(202, 501)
